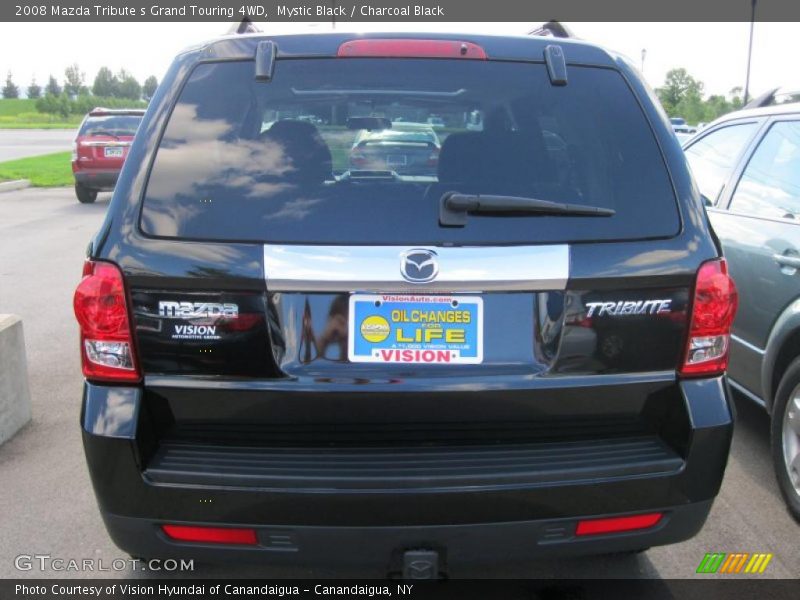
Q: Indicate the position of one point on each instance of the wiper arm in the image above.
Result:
(454, 207)
(104, 132)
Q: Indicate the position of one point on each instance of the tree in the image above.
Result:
(679, 86)
(34, 90)
(128, 86)
(716, 106)
(52, 89)
(105, 83)
(737, 98)
(10, 90)
(74, 81)
(149, 88)
(682, 96)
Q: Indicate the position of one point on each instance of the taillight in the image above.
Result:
(713, 309)
(408, 48)
(101, 308)
(358, 160)
(433, 157)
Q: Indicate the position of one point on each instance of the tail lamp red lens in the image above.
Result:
(405, 48)
(617, 524)
(101, 309)
(713, 310)
(358, 159)
(211, 535)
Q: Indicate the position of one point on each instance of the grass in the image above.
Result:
(10, 107)
(39, 125)
(48, 170)
(21, 113)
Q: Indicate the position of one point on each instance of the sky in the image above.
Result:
(714, 53)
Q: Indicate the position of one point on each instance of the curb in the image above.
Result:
(10, 186)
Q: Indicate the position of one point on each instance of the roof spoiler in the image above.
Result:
(764, 99)
(243, 26)
(552, 29)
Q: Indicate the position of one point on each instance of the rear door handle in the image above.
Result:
(788, 260)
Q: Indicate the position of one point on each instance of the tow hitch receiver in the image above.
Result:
(421, 564)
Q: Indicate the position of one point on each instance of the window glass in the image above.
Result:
(111, 125)
(713, 157)
(770, 184)
(362, 150)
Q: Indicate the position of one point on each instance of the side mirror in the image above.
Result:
(706, 201)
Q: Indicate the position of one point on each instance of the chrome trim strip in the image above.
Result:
(747, 345)
(106, 144)
(377, 269)
(739, 387)
(473, 383)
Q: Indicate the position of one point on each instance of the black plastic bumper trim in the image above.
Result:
(382, 547)
(385, 469)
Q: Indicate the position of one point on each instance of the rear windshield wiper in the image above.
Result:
(454, 207)
(103, 132)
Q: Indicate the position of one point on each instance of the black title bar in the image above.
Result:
(533, 11)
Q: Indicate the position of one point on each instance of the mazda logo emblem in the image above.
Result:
(419, 265)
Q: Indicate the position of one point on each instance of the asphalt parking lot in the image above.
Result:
(46, 499)
(19, 143)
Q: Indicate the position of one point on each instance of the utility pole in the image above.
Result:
(644, 54)
(749, 52)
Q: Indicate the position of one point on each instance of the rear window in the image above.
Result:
(284, 162)
(110, 125)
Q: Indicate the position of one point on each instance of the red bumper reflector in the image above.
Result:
(211, 535)
(617, 524)
(400, 48)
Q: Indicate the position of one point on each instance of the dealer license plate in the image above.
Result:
(435, 329)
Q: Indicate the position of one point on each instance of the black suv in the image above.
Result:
(519, 352)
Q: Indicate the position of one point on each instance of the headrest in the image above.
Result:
(303, 148)
(460, 154)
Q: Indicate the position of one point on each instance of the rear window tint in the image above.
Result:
(282, 161)
(110, 125)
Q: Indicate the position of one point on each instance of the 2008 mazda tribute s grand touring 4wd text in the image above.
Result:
(517, 353)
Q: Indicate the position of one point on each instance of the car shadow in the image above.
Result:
(611, 566)
(751, 442)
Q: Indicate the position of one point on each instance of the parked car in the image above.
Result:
(747, 165)
(521, 355)
(679, 125)
(100, 148)
(407, 151)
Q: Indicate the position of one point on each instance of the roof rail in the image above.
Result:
(243, 26)
(552, 29)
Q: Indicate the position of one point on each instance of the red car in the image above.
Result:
(99, 150)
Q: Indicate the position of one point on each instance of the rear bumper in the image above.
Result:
(468, 509)
(380, 549)
(97, 179)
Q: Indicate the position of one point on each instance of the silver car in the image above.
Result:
(747, 166)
